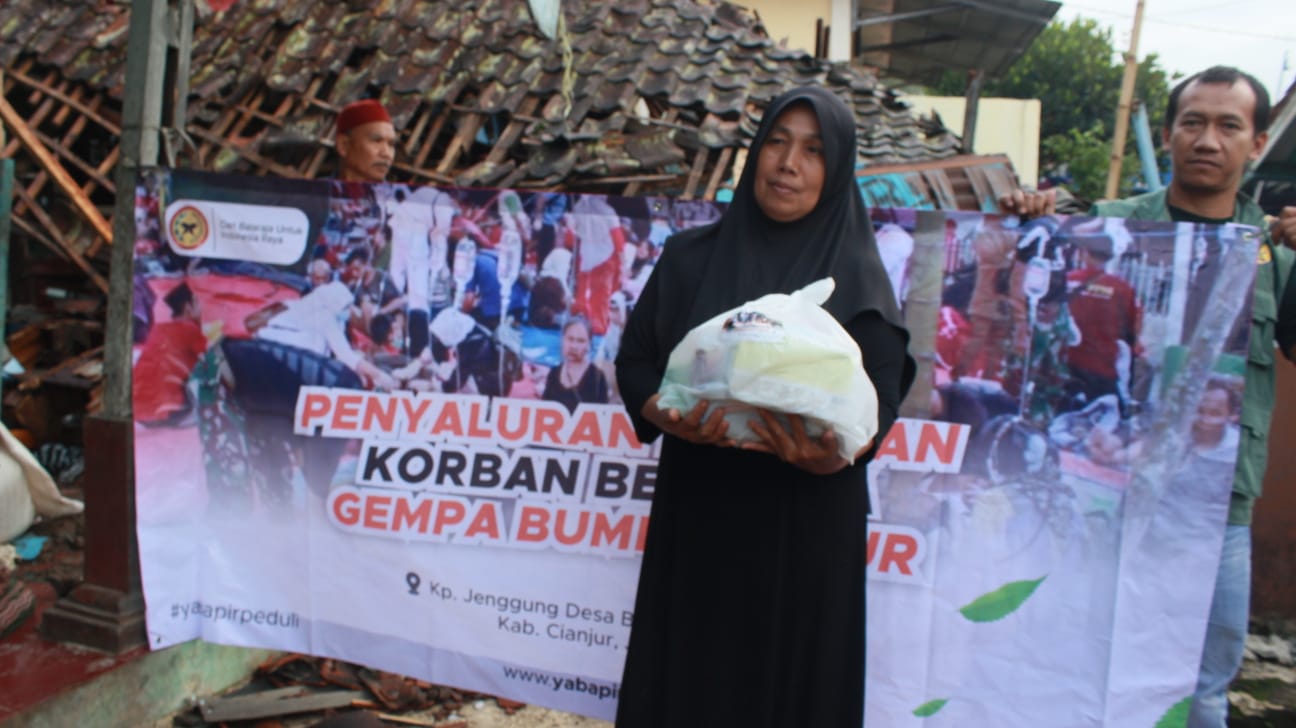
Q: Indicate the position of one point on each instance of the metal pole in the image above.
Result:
(6, 201)
(1146, 152)
(972, 100)
(106, 610)
(141, 139)
(1123, 107)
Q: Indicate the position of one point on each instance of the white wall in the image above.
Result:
(1004, 126)
(795, 21)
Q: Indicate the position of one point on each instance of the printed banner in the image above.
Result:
(380, 423)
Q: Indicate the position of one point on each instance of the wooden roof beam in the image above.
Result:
(57, 235)
(462, 141)
(718, 174)
(51, 165)
(93, 115)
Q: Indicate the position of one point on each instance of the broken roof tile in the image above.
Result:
(726, 102)
(693, 72)
(531, 47)
(653, 83)
(485, 173)
(447, 24)
(691, 93)
(290, 75)
(712, 63)
(388, 9)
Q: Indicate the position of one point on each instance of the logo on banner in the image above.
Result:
(270, 234)
(189, 227)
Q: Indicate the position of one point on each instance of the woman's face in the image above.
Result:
(575, 344)
(790, 166)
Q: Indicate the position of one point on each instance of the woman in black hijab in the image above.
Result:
(750, 610)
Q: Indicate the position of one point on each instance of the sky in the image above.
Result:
(1191, 35)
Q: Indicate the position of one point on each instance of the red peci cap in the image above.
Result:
(360, 112)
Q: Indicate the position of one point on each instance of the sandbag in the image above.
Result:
(26, 489)
(781, 352)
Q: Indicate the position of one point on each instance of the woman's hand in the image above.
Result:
(711, 431)
(818, 456)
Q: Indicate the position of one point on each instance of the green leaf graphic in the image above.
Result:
(931, 707)
(1001, 602)
(1177, 715)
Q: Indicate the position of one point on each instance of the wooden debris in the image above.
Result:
(51, 165)
(402, 720)
(509, 706)
(269, 703)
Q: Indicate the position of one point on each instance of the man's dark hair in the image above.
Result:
(360, 253)
(178, 298)
(1225, 75)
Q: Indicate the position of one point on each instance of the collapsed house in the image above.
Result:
(648, 97)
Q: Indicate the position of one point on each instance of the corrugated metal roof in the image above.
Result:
(918, 40)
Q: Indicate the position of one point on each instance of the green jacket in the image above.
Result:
(1266, 319)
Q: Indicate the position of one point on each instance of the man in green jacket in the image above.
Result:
(1215, 124)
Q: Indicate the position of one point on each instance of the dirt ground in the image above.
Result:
(487, 714)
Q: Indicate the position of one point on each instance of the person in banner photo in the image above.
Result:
(750, 609)
(1215, 124)
(1106, 310)
(169, 354)
(576, 379)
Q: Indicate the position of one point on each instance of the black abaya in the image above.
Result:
(751, 607)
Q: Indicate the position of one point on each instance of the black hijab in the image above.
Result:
(751, 254)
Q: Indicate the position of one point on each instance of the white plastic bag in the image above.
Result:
(781, 352)
(26, 490)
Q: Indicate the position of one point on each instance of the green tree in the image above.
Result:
(1086, 155)
(1075, 71)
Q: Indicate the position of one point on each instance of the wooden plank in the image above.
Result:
(695, 174)
(218, 129)
(963, 160)
(512, 132)
(65, 182)
(34, 232)
(283, 701)
(265, 164)
(35, 95)
(107, 165)
(37, 118)
(76, 161)
(468, 126)
(10, 149)
(641, 178)
(421, 160)
(718, 174)
(113, 127)
(60, 116)
(79, 123)
(6, 197)
(57, 235)
(248, 110)
(312, 169)
(424, 173)
(411, 139)
(104, 167)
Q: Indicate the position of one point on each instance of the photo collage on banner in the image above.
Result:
(380, 423)
(1042, 515)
